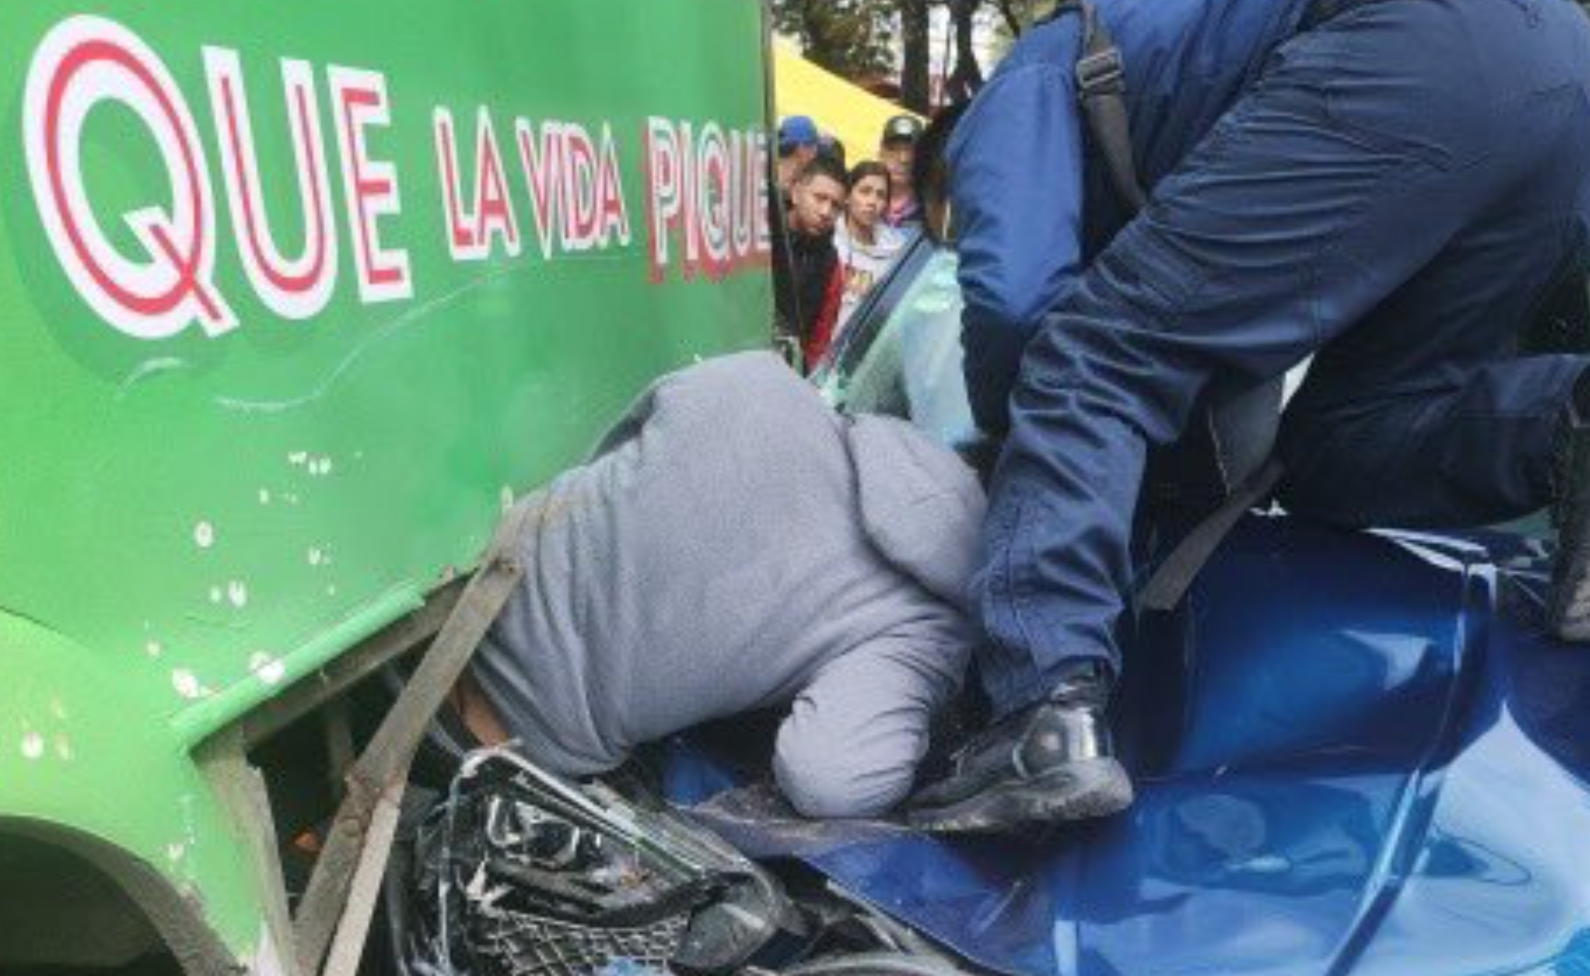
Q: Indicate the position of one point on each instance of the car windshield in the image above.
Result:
(902, 354)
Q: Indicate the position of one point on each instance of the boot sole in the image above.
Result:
(1078, 791)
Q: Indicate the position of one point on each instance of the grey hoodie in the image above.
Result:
(735, 544)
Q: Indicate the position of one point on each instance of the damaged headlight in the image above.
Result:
(522, 874)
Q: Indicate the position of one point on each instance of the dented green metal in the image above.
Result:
(206, 498)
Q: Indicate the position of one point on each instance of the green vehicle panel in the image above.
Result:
(294, 297)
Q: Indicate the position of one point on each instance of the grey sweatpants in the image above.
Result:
(734, 545)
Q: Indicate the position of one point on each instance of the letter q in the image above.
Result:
(83, 63)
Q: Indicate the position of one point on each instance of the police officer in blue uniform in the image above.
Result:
(1389, 186)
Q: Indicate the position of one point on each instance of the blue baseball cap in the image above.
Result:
(797, 130)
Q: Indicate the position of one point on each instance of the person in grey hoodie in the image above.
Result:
(735, 544)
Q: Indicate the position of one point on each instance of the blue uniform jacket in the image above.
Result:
(1386, 188)
(1028, 212)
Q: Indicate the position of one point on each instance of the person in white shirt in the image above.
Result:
(867, 245)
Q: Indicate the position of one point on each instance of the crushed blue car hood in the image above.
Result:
(1355, 753)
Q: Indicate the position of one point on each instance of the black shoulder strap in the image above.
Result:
(1176, 574)
(1101, 91)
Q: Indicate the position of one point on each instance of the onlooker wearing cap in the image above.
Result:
(897, 150)
(798, 145)
(798, 141)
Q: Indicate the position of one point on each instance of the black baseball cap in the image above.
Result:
(901, 128)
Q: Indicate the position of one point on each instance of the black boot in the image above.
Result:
(1049, 762)
(1570, 575)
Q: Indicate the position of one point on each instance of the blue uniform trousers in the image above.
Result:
(1391, 196)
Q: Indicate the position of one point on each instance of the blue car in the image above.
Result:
(1355, 752)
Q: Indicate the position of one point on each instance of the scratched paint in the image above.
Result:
(267, 668)
(33, 746)
(186, 683)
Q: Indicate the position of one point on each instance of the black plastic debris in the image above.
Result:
(519, 873)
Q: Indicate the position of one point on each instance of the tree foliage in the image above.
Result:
(915, 87)
(853, 38)
(1016, 16)
(862, 39)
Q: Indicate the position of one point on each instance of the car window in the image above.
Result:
(902, 353)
